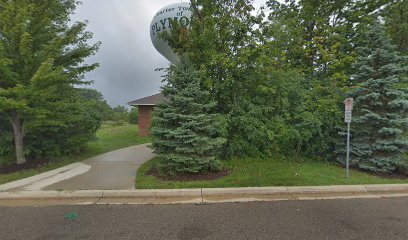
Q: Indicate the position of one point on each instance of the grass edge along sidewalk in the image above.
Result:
(266, 173)
(109, 138)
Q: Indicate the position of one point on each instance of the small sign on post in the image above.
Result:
(347, 118)
(349, 104)
(349, 107)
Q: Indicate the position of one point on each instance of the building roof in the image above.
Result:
(148, 101)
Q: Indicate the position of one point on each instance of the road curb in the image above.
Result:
(158, 193)
(205, 195)
(41, 195)
(386, 188)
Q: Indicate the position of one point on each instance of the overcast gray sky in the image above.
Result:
(127, 57)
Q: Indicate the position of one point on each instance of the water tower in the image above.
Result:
(181, 12)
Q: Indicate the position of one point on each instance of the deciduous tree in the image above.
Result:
(41, 59)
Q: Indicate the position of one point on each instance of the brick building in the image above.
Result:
(146, 107)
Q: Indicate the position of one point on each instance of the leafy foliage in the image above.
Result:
(134, 115)
(272, 82)
(42, 59)
(120, 114)
(396, 20)
(65, 131)
(274, 103)
(6, 139)
(279, 76)
(101, 107)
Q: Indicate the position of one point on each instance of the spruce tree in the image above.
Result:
(185, 131)
(379, 140)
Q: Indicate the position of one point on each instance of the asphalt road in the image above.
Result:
(324, 219)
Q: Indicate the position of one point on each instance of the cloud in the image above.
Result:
(127, 57)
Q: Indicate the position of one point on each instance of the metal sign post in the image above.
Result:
(348, 151)
(349, 107)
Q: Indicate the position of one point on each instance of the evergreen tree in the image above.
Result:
(185, 132)
(380, 114)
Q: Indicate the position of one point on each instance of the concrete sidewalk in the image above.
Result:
(114, 170)
(200, 196)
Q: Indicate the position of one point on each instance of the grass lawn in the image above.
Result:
(109, 138)
(268, 172)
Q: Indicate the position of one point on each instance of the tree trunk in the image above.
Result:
(18, 137)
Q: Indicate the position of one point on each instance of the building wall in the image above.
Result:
(145, 119)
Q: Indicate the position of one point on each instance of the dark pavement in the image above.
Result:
(320, 219)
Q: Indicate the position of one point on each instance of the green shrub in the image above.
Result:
(134, 115)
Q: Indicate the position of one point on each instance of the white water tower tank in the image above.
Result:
(161, 22)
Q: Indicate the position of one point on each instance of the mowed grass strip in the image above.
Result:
(268, 172)
(108, 138)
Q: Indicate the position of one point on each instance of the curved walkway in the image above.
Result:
(110, 171)
(114, 170)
